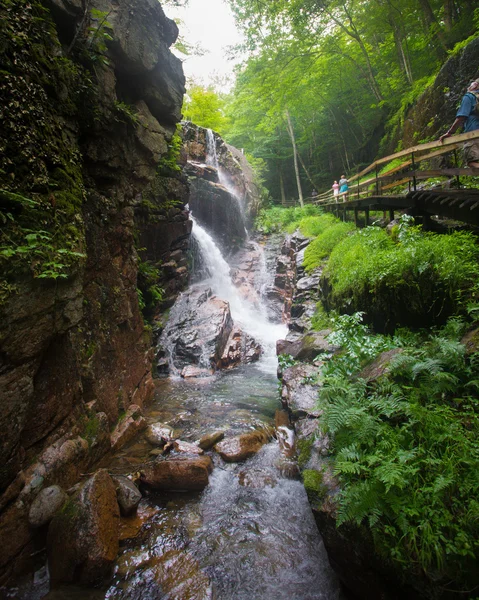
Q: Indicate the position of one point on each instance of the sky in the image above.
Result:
(210, 24)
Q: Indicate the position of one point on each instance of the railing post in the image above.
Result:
(414, 171)
(457, 167)
(377, 182)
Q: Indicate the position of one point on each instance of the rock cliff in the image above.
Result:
(90, 97)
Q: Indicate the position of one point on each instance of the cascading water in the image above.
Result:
(211, 155)
(252, 319)
(223, 177)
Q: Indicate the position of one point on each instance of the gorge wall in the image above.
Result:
(91, 96)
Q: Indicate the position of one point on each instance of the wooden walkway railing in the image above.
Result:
(407, 172)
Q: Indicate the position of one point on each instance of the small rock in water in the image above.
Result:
(192, 371)
(186, 447)
(159, 434)
(254, 478)
(178, 473)
(237, 449)
(210, 439)
(128, 427)
(127, 494)
(45, 505)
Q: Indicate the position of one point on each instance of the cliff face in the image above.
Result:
(90, 97)
(435, 110)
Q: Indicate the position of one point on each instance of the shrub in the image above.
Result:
(406, 450)
(277, 218)
(418, 281)
(323, 245)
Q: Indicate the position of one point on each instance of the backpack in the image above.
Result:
(475, 110)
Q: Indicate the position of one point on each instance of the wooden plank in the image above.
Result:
(448, 142)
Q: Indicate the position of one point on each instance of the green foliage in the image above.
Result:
(285, 361)
(150, 293)
(168, 165)
(322, 246)
(204, 107)
(423, 278)
(126, 113)
(314, 225)
(276, 218)
(321, 319)
(98, 36)
(406, 448)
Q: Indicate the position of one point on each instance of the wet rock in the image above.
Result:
(177, 473)
(186, 447)
(15, 533)
(308, 346)
(237, 449)
(300, 388)
(255, 478)
(191, 372)
(159, 434)
(380, 366)
(130, 425)
(45, 505)
(471, 341)
(83, 539)
(127, 495)
(13, 490)
(210, 439)
(197, 330)
(175, 575)
(240, 348)
(131, 526)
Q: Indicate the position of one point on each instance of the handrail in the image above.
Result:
(448, 145)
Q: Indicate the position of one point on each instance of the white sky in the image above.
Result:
(210, 24)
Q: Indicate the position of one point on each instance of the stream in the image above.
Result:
(251, 533)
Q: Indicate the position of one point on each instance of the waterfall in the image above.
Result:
(211, 156)
(252, 319)
(223, 177)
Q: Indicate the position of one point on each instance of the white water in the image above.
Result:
(223, 177)
(211, 156)
(253, 320)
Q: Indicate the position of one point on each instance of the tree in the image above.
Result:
(205, 107)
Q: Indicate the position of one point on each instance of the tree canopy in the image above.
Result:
(338, 71)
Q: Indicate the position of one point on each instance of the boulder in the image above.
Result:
(191, 372)
(240, 348)
(83, 539)
(129, 426)
(177, 473)
(159, 434)
(239, 448)
(127, 494)
(308, 346)
(208, 440)
(186, 448)
(380, 365)
(46, 505)
(300, 388)
(197, 330)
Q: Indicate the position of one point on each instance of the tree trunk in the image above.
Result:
(281, 187)
(295, 156)
(433, 26)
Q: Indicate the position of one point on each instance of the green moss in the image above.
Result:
(304, 451)
(92, 427)
(313, 484)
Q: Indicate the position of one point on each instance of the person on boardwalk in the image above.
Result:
(335, 187)
(343, 187)
(468, 116)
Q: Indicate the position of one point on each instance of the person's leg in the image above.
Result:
(471, 154)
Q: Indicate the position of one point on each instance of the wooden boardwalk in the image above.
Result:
(384, 191)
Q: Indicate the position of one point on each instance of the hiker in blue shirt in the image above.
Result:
(468, 116)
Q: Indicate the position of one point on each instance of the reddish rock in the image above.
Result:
(186, 448)
(210, 439)
(83, 539)
(237, 449)
(178, 473)
(159, 434)
(308, 346)
(130, 425)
